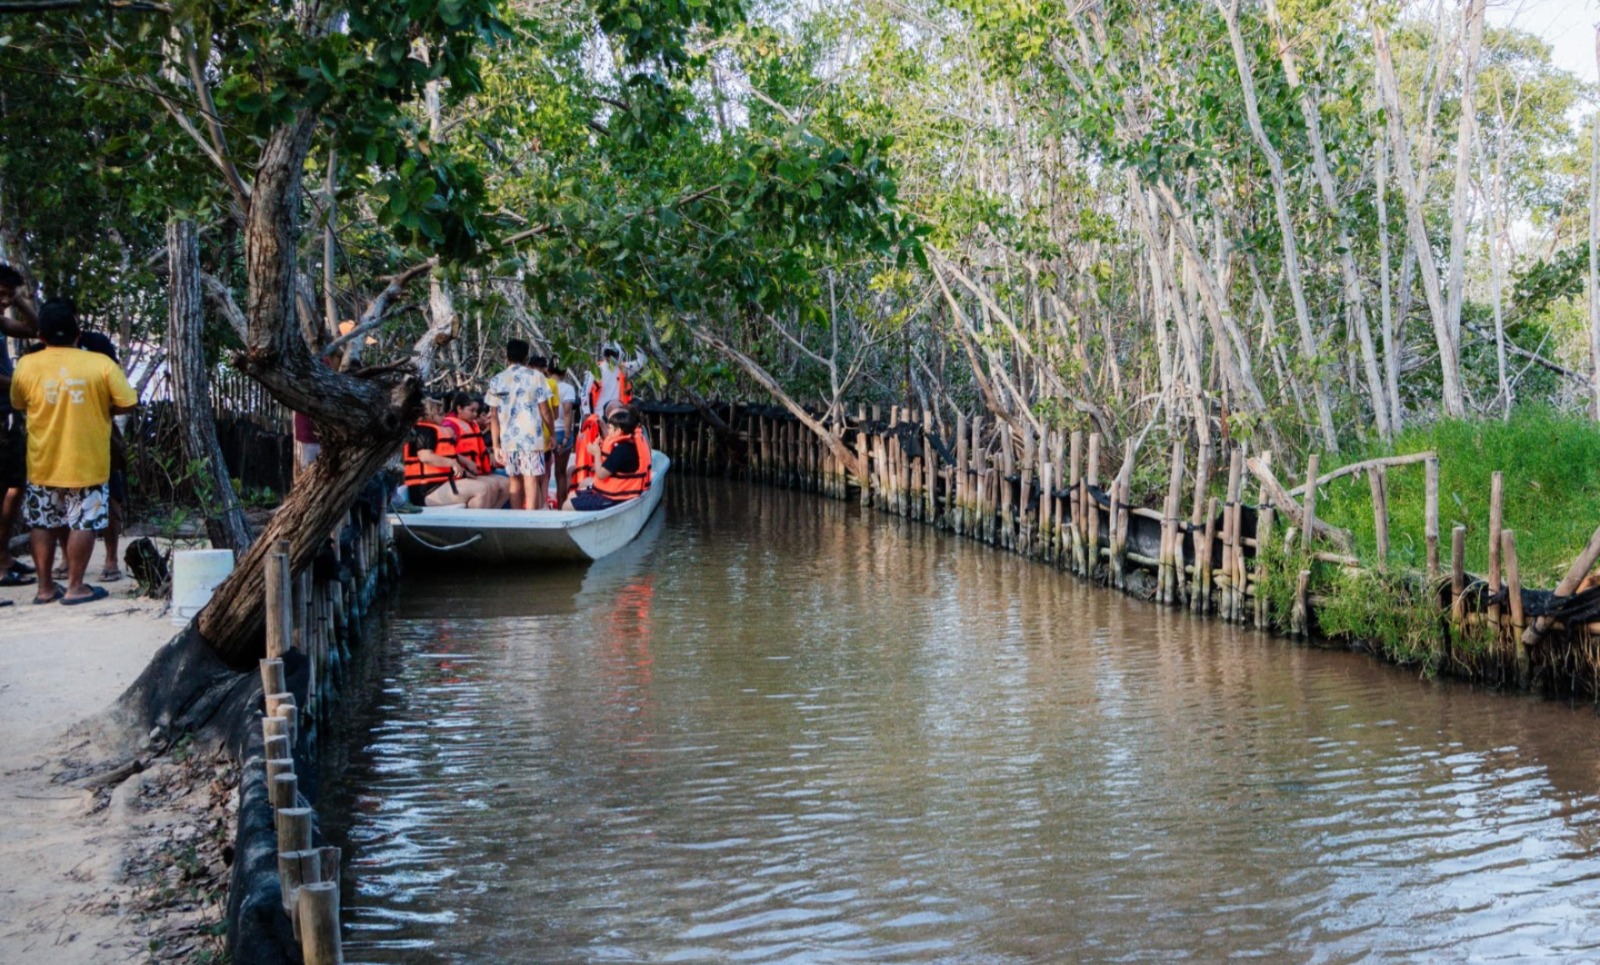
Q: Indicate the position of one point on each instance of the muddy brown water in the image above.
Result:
(787, 730)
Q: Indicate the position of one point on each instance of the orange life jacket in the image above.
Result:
(419, 473)
(470, 445)
(624, 391)
(625, 485)
(582, 461)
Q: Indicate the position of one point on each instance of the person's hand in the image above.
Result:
(499, 456)
(469, 471)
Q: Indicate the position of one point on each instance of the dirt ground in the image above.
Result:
(112, 852)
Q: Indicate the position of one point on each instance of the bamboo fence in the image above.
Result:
(1062, 499)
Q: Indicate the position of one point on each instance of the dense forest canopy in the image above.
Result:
(1299, 223)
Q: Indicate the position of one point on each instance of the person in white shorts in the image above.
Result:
(520, 416)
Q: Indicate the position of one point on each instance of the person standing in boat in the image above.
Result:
(614, 381)
(566, 427)
(621, 465)
(519, 416)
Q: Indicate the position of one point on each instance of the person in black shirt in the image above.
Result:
(17, 320)
(617, 476)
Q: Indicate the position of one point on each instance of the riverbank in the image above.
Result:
(109, 851)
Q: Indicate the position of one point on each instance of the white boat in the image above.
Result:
(455, 534)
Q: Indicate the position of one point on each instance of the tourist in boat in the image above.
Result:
(621, 464)
(519, 411)
(435, 475)
(566, 411)
(614, 381)
(462, 425)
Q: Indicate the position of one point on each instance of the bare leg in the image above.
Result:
(10, 503)
(113, 535)
(560, 456)
(526, 488)
(541, 492)
(43, 542)
(516, 483)
(80, 546)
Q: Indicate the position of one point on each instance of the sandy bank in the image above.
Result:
(86, 857)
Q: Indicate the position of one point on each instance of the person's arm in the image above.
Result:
(430, 458)
(123, 399)
(462, 465)
(494, 434)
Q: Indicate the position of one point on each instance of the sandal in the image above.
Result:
(59, 594)
(110, 575)
(21, 568)
(13, 578)
(95, 593)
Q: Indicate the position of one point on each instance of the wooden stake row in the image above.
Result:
(1041, 494)
(308, 876)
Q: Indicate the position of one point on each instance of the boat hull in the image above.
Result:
(452, 535)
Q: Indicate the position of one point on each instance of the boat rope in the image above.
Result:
(400, 517)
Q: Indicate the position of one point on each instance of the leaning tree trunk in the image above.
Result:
(191, 390)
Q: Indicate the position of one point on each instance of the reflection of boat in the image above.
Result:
(459, 535)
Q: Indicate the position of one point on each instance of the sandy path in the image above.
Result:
(62, 890)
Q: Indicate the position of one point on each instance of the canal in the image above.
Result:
(787, 730)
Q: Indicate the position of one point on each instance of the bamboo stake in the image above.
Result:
(1231, 590)
(295, 869)
(1496, 522)
(280, 601)
(1091, 515)
(1378, 479)
(1308, 513)
(1458, 574)
(1203, 559)
(1202, 553)
(319, 924)
(1172, 550)
(1508, 547)
(1431, 525)
(1300, 615)
(284, 790)
(1075, 490)
(273, 678)
(1264, 521)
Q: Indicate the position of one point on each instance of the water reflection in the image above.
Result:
(788, 731)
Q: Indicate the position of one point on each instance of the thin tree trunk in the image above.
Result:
(1453, 399)
(1355, 297)
(1280, 199)
(1473, 28)
(191, 388)
(1594, 249)
(1391, 335)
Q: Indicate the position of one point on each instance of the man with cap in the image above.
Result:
(68, 397)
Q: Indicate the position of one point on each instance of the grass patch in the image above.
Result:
(1551, 464)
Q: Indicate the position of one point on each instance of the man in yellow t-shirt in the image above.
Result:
(69, 397)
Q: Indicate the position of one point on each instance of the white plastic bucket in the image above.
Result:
(195, 574)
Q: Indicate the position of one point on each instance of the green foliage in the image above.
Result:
(1551, 467)
(1383, 609)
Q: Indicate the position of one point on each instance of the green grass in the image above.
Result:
(1551, 465)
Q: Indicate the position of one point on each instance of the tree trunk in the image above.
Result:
(1453, 398)
(1355, 297)
(359, 420)
(1280, 198)
(233, 621)
(191, 388)
(1473, 28)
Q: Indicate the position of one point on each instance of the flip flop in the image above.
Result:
(13, 578)
(21, 568)
(110, 575)
(95, 593)
(7, 602)
(59, 594)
